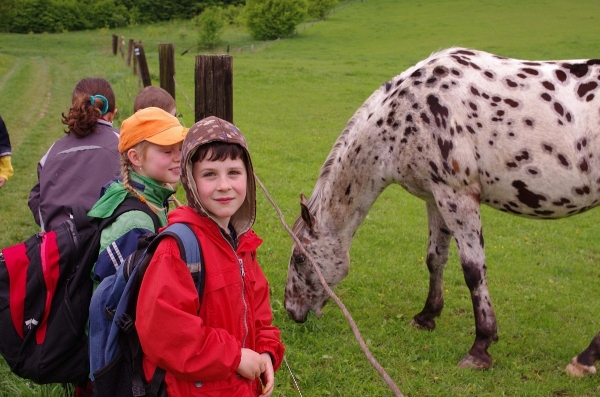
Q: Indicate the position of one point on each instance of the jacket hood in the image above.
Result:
(208, 130)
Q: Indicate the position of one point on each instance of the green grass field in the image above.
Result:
(292, 99)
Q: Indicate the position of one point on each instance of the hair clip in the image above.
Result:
(104, 100)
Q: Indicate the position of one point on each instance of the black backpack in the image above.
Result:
(45, 292)
(115, 351)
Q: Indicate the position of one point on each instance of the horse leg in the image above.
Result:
(461, 213)
(437, 256)
(584, 363)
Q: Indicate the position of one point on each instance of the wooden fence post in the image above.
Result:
(129, 52)
(122, 47)
(115, 43)
(166, 61)
(136, 52)
(141, 61)
(214, 87)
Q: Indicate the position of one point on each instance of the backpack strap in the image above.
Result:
(132, 204)
(82, 220)
(191, 252)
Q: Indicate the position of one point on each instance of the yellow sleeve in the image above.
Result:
(6, 169)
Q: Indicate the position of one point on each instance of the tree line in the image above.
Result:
(264, 19)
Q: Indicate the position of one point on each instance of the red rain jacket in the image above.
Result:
(202, 352)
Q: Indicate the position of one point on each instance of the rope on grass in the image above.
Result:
(333, 296)
(293, 377)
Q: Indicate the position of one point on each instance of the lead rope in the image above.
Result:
(293, 377)
(337, 300)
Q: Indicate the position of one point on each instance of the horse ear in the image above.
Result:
(308, 218)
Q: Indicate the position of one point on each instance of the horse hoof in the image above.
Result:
(415, 324)
(429, 326)
(474, 363)
(579, 370)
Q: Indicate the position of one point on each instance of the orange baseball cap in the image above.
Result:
(153, 125)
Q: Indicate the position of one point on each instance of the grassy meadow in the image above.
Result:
(292, 98)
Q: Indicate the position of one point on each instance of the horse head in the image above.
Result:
(304, 290)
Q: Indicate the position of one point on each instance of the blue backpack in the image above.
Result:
(115, 351)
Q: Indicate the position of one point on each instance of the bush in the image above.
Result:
(211, 25)
(272, 19)
(150, 11)
(318, 9)
(33, 16)
(233, 14)
(105, 13)
(38, 16)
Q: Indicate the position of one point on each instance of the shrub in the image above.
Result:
(211, 25)
(105, 13)
(318, 9)
(233, 14)
(38, 16)
(272, 19)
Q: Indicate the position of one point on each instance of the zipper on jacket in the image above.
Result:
(243, 277)
(243, 274)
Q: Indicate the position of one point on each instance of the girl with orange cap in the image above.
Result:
(150, 147)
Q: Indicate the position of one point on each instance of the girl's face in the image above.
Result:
(221, 186)
(160, 163)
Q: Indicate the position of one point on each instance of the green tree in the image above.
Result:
(6, 11)
(35, 16)
(211, 25)
(272, 19)
(148, 11)
(105, 13)
(53, 16)
(318, 9)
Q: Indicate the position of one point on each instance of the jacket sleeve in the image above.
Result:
(268, 336)
(6, 169)
(171, 332)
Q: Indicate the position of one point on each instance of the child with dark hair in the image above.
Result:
(152, 96)
(77, 166)
(6, 169)
(222, 343)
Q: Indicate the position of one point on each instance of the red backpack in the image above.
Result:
(45, 292)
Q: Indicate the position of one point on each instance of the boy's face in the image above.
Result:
(221, 187)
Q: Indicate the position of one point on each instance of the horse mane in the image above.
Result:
(323, 182)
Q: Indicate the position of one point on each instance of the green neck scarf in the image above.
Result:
(116, 193)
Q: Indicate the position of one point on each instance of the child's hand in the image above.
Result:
(2, 180)
(251, 365)
(268, 376)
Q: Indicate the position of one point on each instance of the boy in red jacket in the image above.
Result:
(226, 344)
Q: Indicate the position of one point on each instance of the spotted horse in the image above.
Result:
(459, 129)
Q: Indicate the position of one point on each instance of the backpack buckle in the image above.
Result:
(109, 313)
(138, 391)
(126, 324)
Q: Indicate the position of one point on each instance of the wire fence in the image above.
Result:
(132, 54)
